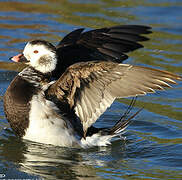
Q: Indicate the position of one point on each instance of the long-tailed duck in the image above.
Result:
(62, 92)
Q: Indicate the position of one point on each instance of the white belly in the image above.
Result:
(47, 126)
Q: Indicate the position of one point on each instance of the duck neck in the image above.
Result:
(35, 77)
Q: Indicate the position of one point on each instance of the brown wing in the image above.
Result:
(90, 88)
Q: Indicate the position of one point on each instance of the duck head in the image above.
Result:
(39, 54)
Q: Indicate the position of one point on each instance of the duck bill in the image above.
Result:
(18, 58)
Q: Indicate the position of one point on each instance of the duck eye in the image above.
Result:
(36, 51)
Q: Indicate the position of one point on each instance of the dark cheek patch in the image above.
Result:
(44, 60)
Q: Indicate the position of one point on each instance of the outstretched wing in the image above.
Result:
(91, 87)
(99, 44)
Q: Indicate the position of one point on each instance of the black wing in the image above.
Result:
(109, 44)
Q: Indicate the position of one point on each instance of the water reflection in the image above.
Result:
(52, 162)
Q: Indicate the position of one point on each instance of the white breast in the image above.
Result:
(46, 125)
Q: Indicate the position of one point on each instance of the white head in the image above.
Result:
(41, 55)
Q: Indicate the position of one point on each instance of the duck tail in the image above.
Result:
(123, 122)
(103, 136)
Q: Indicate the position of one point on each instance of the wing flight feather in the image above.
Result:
(91, 87)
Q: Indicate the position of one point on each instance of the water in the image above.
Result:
(152, 145)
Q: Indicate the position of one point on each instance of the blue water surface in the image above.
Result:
(152, 146)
